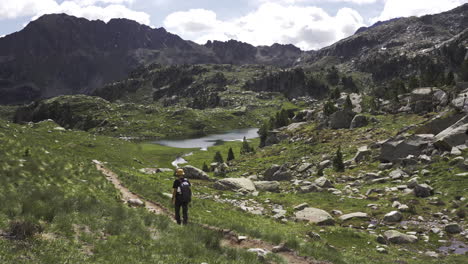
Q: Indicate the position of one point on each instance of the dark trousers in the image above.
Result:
(184, 206)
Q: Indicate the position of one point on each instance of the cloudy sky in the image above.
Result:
(308, 24)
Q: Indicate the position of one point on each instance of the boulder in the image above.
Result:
(235, 184)
(423, 190)
(275, 137)
(393, 216)
(304, 167)
(396, 237)
(135, 202)
(358, 215)
(453, 136)
(282, 174)
(359, 121)
(453, 228)
(397, 174)
(294, 126)
(324, 164)
(303, 116)
(270, 171)
(195, 173)
(394, 150)
(362, 154)
(267, 186)
(315, 215)
(341, 119)
(323, 182)
(461, 102)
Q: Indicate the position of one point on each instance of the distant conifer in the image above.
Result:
(338, 164)
(230, 155)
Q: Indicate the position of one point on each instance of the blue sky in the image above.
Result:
(308, 24)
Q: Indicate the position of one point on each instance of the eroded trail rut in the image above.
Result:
(230, 237)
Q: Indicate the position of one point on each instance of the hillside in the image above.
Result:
(59, 54)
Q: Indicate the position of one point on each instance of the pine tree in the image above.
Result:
(335, 94)
(348, 105)
(450, 80)
(338, 164)
(245, 147)
(464, 71)
(413, 83)
(329, 108)
(205, 167)
(230, 155)
(218, 157)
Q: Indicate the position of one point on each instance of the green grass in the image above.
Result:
(52, 187)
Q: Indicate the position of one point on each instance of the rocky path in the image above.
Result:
(231, 239)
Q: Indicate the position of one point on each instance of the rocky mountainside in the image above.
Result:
(60, 54)
(400, 47)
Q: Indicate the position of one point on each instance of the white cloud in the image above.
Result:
(359, 2)
(405, 8)
(307, 27)
(80, 8)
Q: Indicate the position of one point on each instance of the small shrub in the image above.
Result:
(338, 164)
(461, 213)
(205, 167)
(23, 229)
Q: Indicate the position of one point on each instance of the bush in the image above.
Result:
(338, 164)
(23, 229)
(205, 167)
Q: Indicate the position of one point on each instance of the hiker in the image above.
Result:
(181, 196)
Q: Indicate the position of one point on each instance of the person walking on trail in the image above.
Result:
(181, 196)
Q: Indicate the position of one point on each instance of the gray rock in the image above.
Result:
(259, 251)
(396, 237)
(393, 216)
(453, 228)
(135, 202)
(394, 150)
(195, 173)
(359, 121)
(423, 190)
(315, 215)
(270, 171)
(358, 215)
(309, 188)
(431, 254)
(304, 167)
(382, 250)
(323, 182)
(341, 119)
(453, 136)
(303, 116)
(397, 174)
(281, 175)
(324, 164)
(235, 184)
(362, 154)
(455, 151)
(280, 248)
(267, 186)
(385, 166)
(300, 206)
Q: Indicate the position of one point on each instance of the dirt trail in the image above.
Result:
(230, 237)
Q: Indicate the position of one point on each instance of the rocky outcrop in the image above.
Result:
(314, 215)
(453, 136)
(393, 150)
